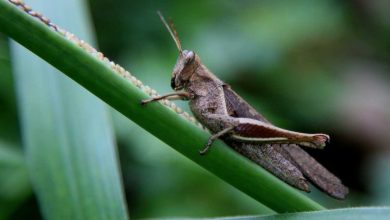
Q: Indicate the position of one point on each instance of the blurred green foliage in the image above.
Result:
(69, 150)
(312, 66)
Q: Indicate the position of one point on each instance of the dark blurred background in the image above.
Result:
(310, 66)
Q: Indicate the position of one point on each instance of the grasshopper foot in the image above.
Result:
(204, 150)
(146, 101)
(207, 146)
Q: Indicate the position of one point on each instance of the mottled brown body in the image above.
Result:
(208, 103)
(230, 118)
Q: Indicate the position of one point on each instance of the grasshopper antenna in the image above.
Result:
(172, 31)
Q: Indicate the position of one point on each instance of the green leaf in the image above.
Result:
(67, 134)
(342, 214)
(102, 79)
(377, 213)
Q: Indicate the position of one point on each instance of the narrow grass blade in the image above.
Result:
(67, 134)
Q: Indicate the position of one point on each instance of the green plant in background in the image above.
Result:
(73, 165)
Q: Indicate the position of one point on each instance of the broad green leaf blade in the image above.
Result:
(67, 134)
(184, 136)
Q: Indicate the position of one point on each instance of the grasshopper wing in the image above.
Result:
(297, 158)
(317, 174)
(272, 158)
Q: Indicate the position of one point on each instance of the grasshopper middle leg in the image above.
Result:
(213, 138)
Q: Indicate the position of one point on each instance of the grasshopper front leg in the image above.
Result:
(170, 96)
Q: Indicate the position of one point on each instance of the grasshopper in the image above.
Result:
(230, 118)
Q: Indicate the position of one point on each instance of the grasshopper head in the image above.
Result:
(186, 65)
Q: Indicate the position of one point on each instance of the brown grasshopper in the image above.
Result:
(229, 117)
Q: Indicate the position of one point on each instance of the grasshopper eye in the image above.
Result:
(173, 84)
(189, 57)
